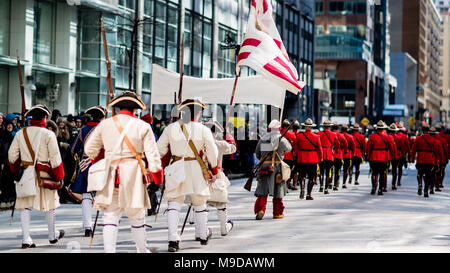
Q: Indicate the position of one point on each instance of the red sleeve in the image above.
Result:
(58, 172)
(157, 177)
(413, 152)
(319, 149)
(14, 167)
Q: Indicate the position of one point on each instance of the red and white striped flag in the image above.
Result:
(264, 51)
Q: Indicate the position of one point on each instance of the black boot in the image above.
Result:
(61, 234)
(174, 246)
(374, 184)
(302, 188)
(419, 182)
(310, 187)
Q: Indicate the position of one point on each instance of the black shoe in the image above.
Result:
(326, 192)
(28, 245)
(205, 242)
(419, 192)
(394, 187)
(372, 191)
(356, 183)
(384, 190)
(425, 194)
(151, 212)
(335, 189)
(174, 246)
(61, 234)
(344, 186)
(431, 192)
(302, 194)
(380, 193)
(399, 184)
(309, 197)
(87, 232)
(197, 238)
(321, 189)
(437, 190)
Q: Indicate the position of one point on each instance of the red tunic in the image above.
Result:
(290, 136)
(447, 137)
(361, 145)
(350, 152)
(329, 142)
(440, 155)
(339, 153)
(402, 144)
(394, 154)
(305, 151)
(425, 148)
(379, 147)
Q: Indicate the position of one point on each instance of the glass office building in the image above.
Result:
(62, 51)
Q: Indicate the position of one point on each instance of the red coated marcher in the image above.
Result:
(445, 141)
(330, 143)
(441, 158)
(379, 148)
(393, 130)
(348, 155)
(289, 156)
(403, 151)
(308, 150)
(360, 151)
(425, 148)
(338, 155)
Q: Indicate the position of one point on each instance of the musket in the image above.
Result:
(248, 184)
(22, 89)
(12, 212)
(180, 89)
(93, 229)
(110, 91)
(160, 199)
(185, 220)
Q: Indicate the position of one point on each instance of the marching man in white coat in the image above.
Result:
(188, 174)
(219, 190)
(127, 141)
(36, 140)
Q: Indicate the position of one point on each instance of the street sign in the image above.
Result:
(412, 121)
(365, 121)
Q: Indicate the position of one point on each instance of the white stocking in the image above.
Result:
(52, 232)
(172, 220)
(86, 206)
(110, 229)
(25, 218)
(139, 235)
(201, 221)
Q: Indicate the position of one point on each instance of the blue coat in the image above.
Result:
(77, 148)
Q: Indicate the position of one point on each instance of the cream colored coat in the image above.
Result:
(132, 190)
(48, 154)
(204, 141)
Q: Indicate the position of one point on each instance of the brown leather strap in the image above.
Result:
(130, 146)
(30, 149)
(194, 149)
(176, 158)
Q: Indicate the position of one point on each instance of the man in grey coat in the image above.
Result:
(270, 180)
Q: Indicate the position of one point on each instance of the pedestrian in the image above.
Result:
(219, 190)
(7, 188)
(270, 180)
(338, 154)
(360, 152)
(309, 153)
(13, 118)
(289, 157)
(185, 140)
(379, 150)
(48, 165)
(128, 178)
(79, 185)
(348, 155)
(63, 137)
(330, 143)
(56, 114)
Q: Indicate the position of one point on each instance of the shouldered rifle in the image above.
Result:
(248, 185)
(22, 89)
(110, 92)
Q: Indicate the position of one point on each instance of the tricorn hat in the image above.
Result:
(97, 109)
(327, 123)
(381, 125)
(308, 123)
(210, 124)
(188, 102)
(128, 99)
(38, 108)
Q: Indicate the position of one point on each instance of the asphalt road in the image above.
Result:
(349, 220)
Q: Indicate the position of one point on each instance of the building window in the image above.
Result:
(44, 32)
(4, 26)
(227, 57)
(319, 7)
(4, 81)
(348, 7)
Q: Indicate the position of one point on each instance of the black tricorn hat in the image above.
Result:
(102, 111)
(38, 108)
(128, 99)
(188, 102)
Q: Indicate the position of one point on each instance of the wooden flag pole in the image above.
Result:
(110, 92)
(22, 89)
(231, 103)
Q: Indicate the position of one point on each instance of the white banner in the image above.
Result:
(250, 90)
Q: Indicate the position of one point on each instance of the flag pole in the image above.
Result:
(231, 101)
